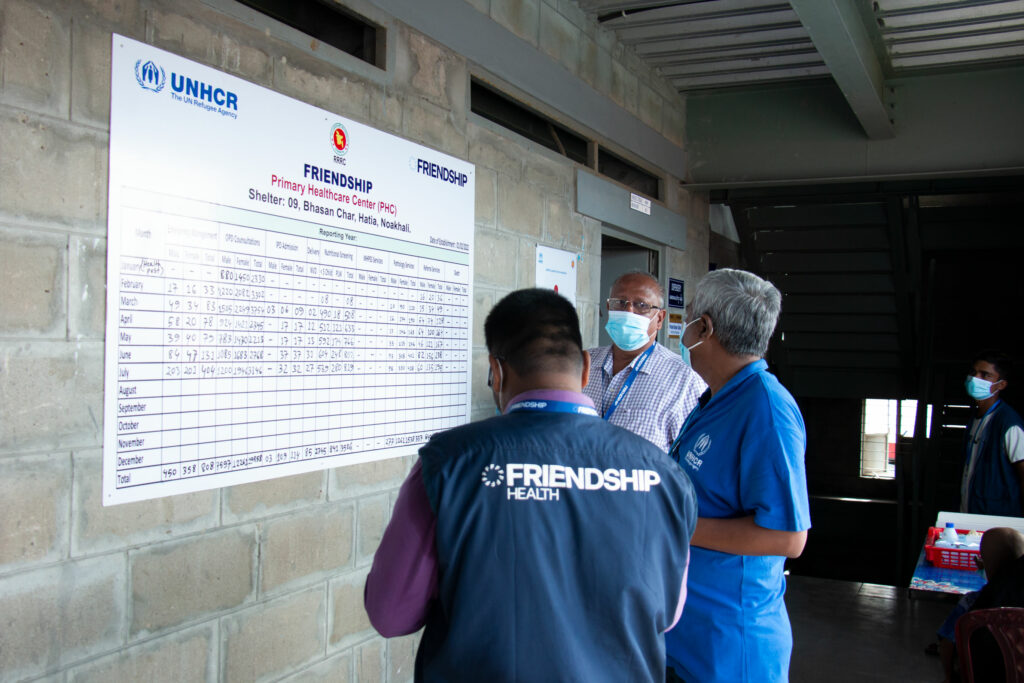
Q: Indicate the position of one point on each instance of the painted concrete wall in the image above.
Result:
(262, 581)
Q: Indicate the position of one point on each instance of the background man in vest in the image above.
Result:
(543, 544)
(993, 479)
(637, 383)
(743, 448)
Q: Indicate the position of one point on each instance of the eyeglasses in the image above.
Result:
(640, 307)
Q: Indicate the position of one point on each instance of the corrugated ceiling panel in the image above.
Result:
(961, 57)
(704, 44)
(747, 77)
(740, 65)
(740, 40)
(727, 52)
(905, 45)
(949, 14)
(636, 31)
(920, 34)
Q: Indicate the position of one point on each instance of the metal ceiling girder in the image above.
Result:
(842, 39)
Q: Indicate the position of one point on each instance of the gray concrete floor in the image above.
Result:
(846, 631)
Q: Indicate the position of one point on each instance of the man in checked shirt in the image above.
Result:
(637, 383)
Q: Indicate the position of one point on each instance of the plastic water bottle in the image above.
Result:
(949, 533)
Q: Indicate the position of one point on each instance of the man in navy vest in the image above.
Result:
(993, 478)
(542, 544)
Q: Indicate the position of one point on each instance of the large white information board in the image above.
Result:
(287, 290)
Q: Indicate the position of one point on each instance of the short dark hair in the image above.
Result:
(535, 330)
(999, 360)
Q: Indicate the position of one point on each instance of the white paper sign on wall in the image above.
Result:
(556, 269)
(287, 290)
(638, 203)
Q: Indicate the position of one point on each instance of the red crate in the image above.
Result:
(949, 558)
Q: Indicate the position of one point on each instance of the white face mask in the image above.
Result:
(979, 389)
(628, 330)
(684, 350)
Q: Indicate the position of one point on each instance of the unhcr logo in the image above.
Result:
(150, 76)
(695, 456)
(702, 445)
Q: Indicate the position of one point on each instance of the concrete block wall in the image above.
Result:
(261, 581)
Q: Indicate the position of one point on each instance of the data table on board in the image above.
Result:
(249, 340)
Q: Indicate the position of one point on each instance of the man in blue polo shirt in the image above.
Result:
(541, 545)
(743, 447)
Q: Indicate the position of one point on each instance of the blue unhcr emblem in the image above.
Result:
(150, 76)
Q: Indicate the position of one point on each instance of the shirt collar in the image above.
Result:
(747, 370)
(552, 395)
(991, 408)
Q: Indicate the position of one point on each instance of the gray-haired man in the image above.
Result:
(743, 447)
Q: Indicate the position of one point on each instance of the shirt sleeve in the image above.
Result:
(402, 584)
(679, 401)
(1013, 441)
(773, 481)
(691, 394)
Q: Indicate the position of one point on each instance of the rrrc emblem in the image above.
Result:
(339, 139)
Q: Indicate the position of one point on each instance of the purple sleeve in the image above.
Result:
(403, 580)
(682, 597)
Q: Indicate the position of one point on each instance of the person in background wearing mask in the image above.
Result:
(541, 545)
(743, 447)
(993, 479)
(636, 383)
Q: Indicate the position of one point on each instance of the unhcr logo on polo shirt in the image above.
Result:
(695, 456)
(527, 481)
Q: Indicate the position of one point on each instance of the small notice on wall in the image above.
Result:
(638, 203)
(675, 293)
(287, 290)
(556, 269)
(675, 325)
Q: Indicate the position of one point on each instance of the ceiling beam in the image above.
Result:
(842, 39)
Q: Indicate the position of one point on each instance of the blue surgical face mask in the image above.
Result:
(684, 350)
(978, 388)
(627, 330)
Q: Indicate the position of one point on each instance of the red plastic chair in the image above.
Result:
(1007, 627)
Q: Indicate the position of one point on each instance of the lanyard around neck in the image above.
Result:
(637, 366)
(548, 406)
